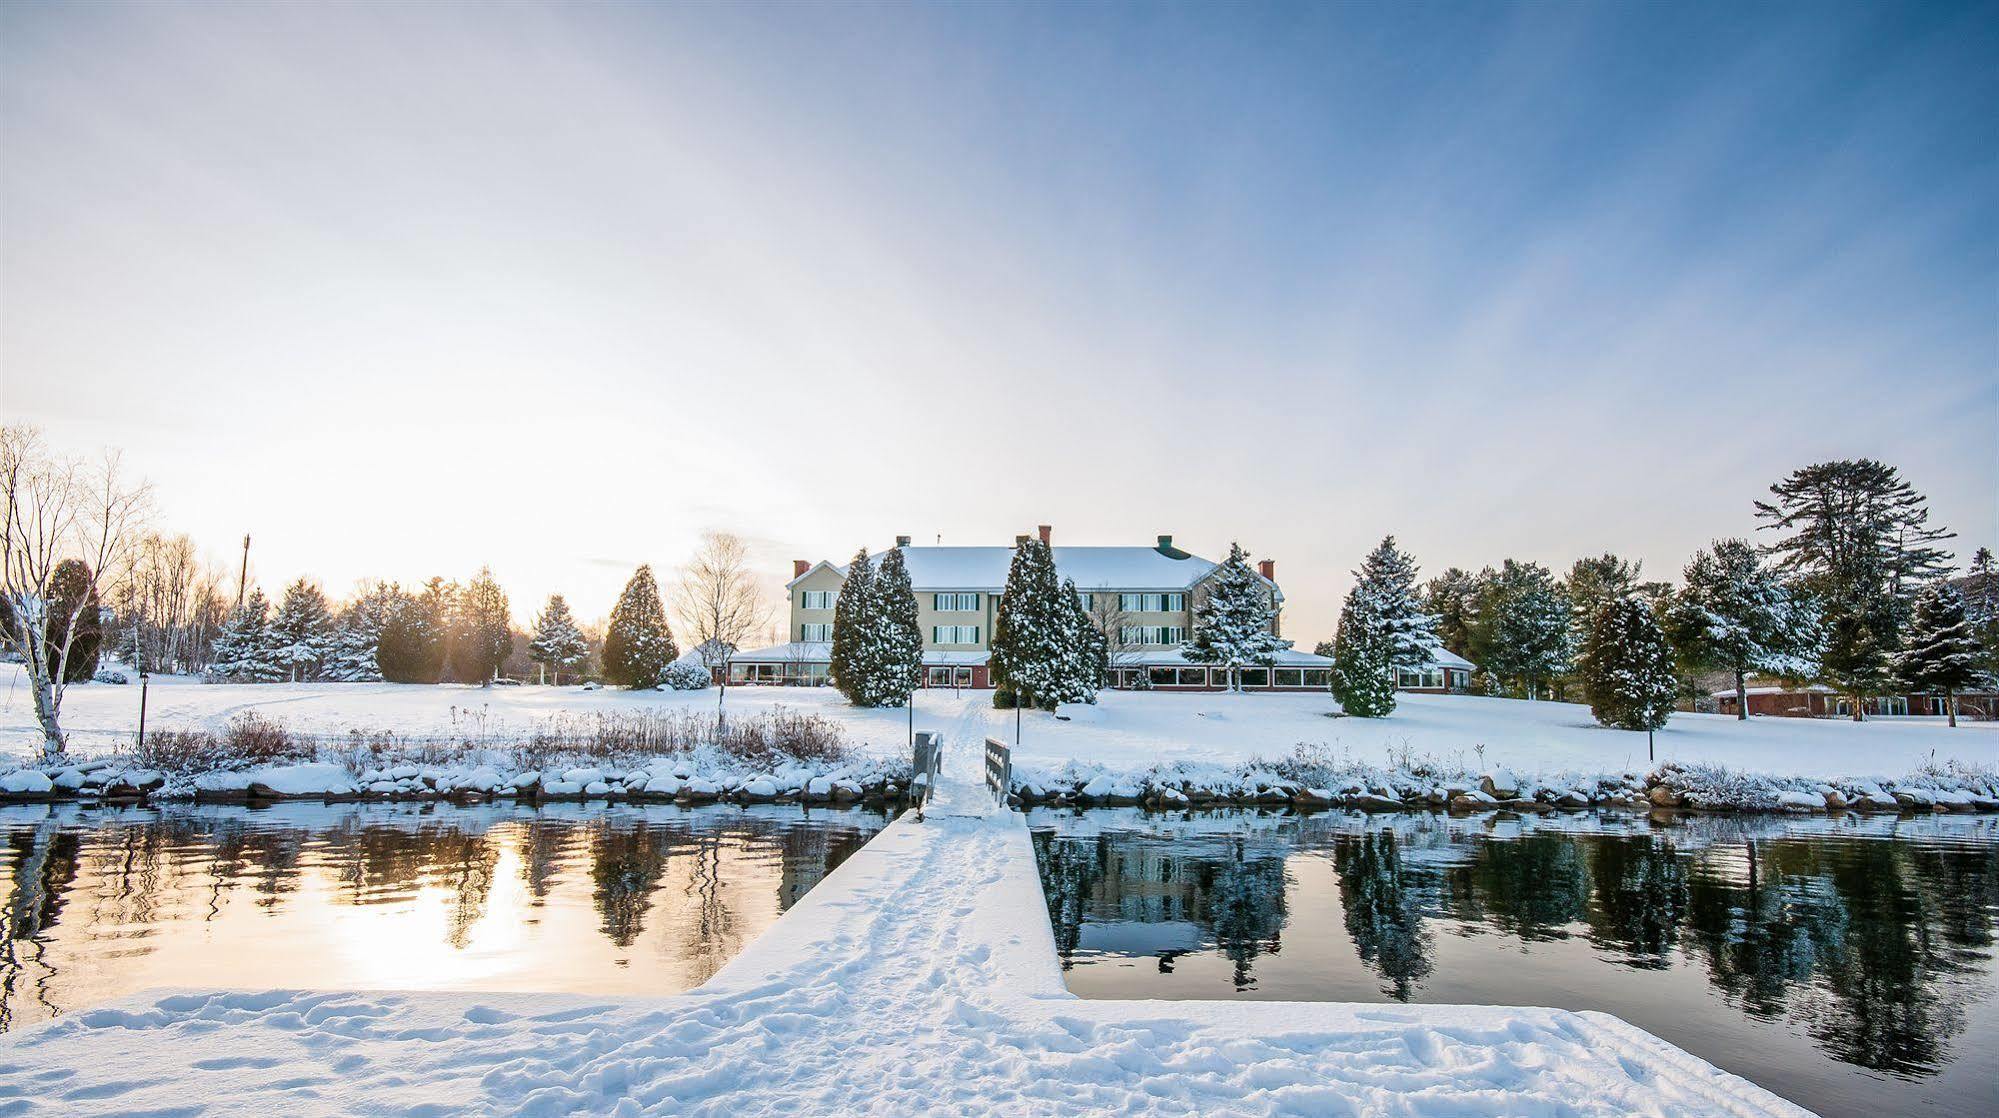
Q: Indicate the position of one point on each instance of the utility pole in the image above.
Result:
(243, 578)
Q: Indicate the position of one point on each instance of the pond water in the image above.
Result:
(640, 900)
(1844, 964)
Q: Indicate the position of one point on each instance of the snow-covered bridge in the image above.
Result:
(920, 977)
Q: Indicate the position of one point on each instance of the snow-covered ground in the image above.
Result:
(1125, 730)
(920, 977)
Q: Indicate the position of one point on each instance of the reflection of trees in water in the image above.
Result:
(1233, 890)
(1531, 887)
(467, 862)
(1638, 898)
(1858, 941)
(627, 862)
(1381, 911)
(1070, 872)
(1863, 941)
(1245, 895)
(43, 861)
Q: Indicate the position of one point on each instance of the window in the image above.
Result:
(1160, 677)
(954, 602)
(1256, 677)
(1316, 677)
(1290, 677)
(963, 678)
(1152, 603)
(954, 634)
(1193, 677)
(937, 677)
(815, 632)
(1083, 598)
(818, 599)
(1427, 677)
(1154, 634)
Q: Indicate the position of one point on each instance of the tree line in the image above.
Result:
(1852, 592)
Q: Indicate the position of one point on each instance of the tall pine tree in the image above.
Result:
(358, 636)
(558, 645)
(1389, 574)
(1092, 660)
(896, 668)
(1522, 628)
(412, 645)
(1452, 598)
(1735, 615)
(1033, 654)
(301, 635)
(482, 630)
(1626, 668)
(854, 613)
(1942, 656)
(1858, 538)
(638, 646)
(1363, 656)
(241, 652)
(1233, 622)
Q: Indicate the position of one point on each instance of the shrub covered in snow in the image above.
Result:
(686, 675)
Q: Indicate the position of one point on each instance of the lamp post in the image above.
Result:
(139, 658)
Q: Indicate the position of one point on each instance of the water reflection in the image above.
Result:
(642, 900)
(1870, 938)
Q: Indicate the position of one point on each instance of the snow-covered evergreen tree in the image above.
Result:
(895, 668)
(301, 634)
(482, 630)
(1452, 598)
(1981, 606)
(1363, 653)
(1942, 654)
(358, 635)
(1091, 662)
(412, 645)
(242, 651)
(1735, 615)
(1389, 574)
(638, 646)
(1232, 622)
(1626, 667)
(854, 616)
(1033, 660)
(1522, 628)
(558, 645)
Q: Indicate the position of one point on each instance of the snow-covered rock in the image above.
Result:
(26, 782)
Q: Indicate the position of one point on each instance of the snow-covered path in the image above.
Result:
(920, 977)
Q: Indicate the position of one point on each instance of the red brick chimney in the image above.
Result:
(800, 566)
(1045, 530)
(1267, 568)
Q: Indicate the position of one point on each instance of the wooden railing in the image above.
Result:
(926, 765)
(999, 768)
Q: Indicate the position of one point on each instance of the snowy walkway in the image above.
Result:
(920, 977)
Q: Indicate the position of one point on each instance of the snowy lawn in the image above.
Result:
(919, 977)
(1124, 731)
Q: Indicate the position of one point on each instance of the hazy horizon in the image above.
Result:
(404, 290)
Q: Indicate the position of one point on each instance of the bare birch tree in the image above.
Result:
(719, 605)
(56, 509)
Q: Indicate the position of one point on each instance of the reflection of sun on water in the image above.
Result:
(410, 946)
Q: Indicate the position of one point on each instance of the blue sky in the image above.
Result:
(406, 289)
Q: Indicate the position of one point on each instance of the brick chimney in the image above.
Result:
(1020, 541)
(800, 566)
(902, 541)
(1046, 530)
(1267, 568)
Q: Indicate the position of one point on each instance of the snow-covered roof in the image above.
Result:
(1093, 568)
(792, 652)
(1174, 658)
(820, 652)
(1445, 658)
